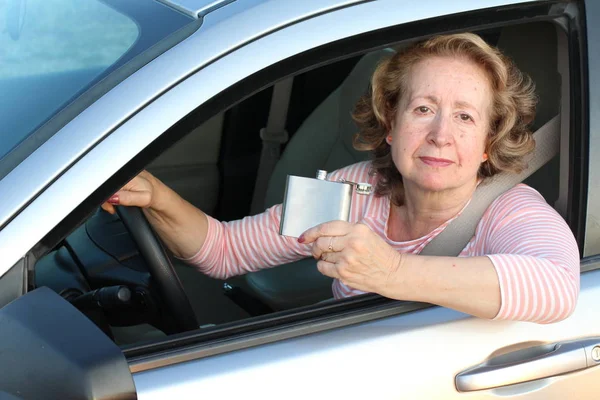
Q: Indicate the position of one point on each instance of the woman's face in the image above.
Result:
(439, 134)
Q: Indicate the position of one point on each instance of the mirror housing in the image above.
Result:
(52, 351)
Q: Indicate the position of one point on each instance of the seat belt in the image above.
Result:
(273, 136)
(454, 238)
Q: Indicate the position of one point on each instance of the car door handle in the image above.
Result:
(531, 363)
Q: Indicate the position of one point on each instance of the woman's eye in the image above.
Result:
(423, 109)
(465, 117)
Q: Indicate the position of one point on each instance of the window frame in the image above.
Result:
(589, 143)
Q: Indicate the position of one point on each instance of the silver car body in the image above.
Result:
(388, 354)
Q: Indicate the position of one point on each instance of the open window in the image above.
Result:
(212, 160)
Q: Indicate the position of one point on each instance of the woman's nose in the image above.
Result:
(440, 132)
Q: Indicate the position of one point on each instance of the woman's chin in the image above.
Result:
(439, 183)
(436, 185)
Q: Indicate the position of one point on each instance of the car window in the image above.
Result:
(226, 172)
(52, 52)
(226, 169)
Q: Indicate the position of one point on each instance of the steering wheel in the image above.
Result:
(160, 267)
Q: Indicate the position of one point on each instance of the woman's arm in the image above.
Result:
(535, 256)
(218, 249)
(362, 260)
(246, 245)
(525, 267)
(466, 284)
(536, 289)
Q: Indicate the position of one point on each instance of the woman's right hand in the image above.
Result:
(181, 226)
(139, 192)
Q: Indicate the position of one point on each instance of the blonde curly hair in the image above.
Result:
(513, 108)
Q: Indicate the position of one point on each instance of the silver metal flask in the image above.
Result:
(308, 202)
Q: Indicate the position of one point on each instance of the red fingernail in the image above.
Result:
(301, 239)
(114, 199)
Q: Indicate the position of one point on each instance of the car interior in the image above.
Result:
(214, 167)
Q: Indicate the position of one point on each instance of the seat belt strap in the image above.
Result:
(273, 136)
(454, 238)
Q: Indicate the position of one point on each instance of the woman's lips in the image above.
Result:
(436, 162)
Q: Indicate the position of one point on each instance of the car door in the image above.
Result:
(367, 347)
(400, 354)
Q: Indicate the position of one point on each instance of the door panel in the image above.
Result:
(410, 356)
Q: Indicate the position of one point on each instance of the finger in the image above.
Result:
(139, 183)
(328, 269)
(327, 244)
(130, 198)
(332, 228)
(332, 258)
(145, 174)
(109, 208)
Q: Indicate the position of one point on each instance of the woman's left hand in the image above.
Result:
(355, 255)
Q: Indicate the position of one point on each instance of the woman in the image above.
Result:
(442, 117)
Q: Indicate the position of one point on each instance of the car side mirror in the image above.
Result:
(50, 350)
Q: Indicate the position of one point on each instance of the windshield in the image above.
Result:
(52, 51)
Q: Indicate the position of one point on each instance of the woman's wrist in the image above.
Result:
(401, 283)
(394, 284)
(163, 203)
(162, 196)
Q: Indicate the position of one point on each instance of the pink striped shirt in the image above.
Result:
(531, 247)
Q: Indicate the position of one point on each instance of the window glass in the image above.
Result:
(50, 50)
(52, 53)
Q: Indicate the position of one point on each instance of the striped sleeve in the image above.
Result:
(254, 243)
(246, 245)
(535, 256)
